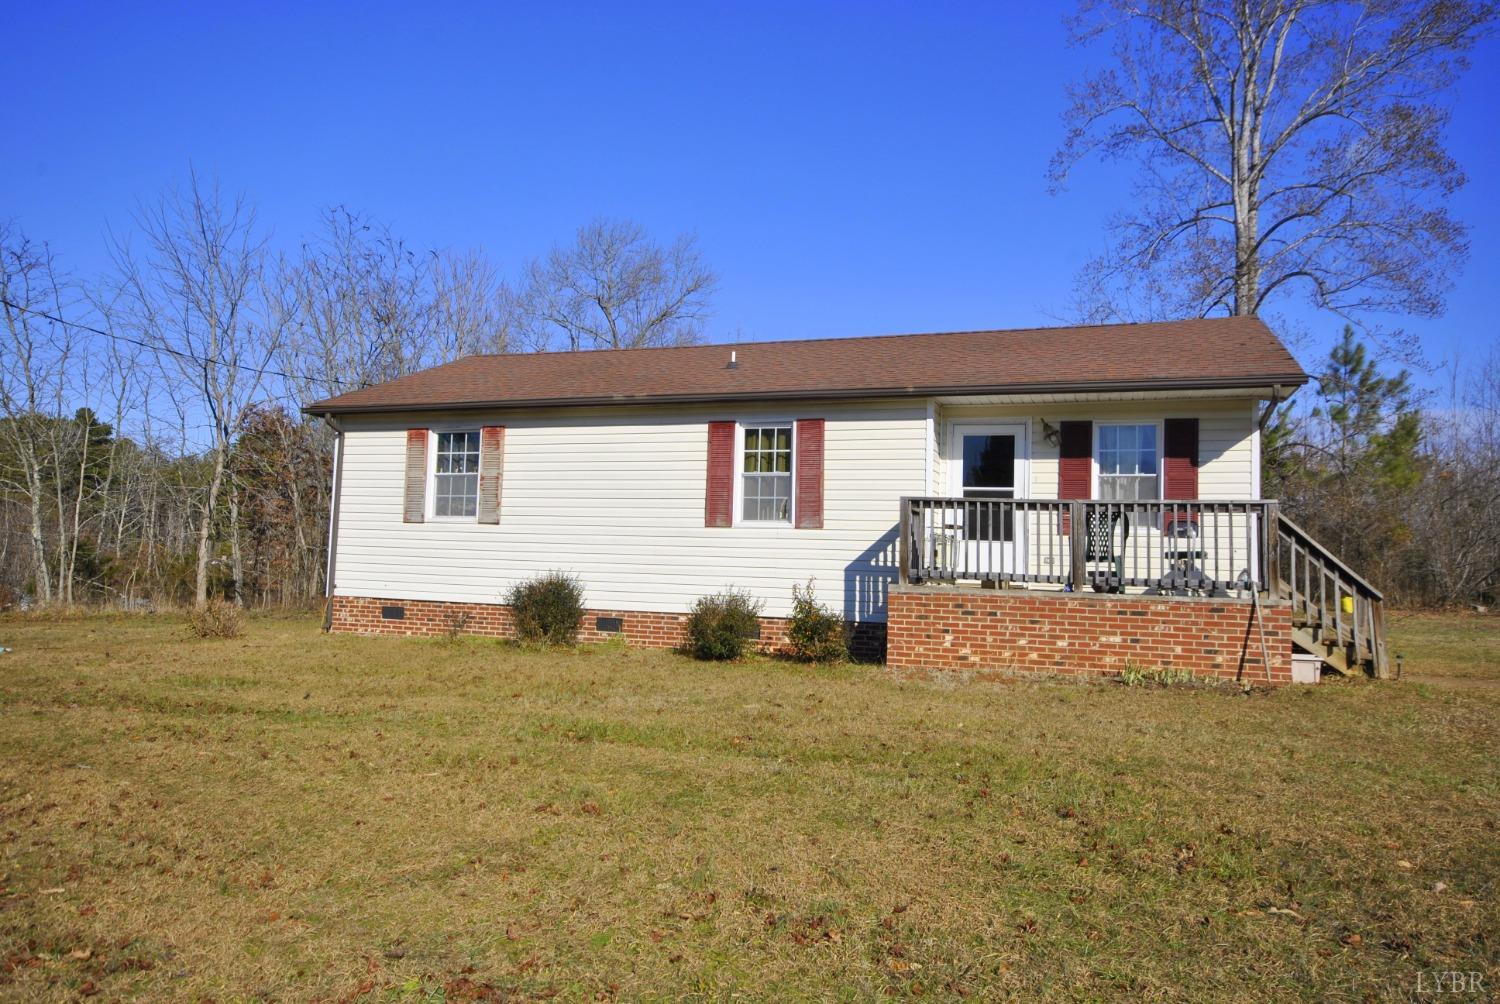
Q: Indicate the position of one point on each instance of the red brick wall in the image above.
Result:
(361, 615)
(428, 618)
(933, 628)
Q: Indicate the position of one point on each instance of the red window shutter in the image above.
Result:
(491, 471)
(415, 499)
(718, 506)
(808, 504)
(1180, 458)
(1075, 463)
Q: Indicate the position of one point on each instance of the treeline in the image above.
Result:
(151, 446)
(152, 450)
(1406, 493)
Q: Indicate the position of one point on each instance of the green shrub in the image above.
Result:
(547, 608)
(815, 633)
(216, 619)
(720, 625)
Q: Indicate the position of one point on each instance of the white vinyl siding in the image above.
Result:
(1227, 444)
(616, 496)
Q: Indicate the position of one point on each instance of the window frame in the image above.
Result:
(430, 501)
(771, 422)
(1097, 470)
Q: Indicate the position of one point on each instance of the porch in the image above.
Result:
(1241, 557)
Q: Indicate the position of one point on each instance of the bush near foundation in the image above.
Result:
(815, 633)
(720, 625)
(547, 609)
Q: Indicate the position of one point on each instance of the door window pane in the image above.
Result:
(990, 461)
(989, 472)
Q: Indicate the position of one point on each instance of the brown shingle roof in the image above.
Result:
(1210, 352)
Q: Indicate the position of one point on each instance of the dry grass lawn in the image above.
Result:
(1456, 646)
(294, 816)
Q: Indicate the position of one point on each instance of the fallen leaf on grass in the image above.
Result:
(1404, 865)
(81, 954)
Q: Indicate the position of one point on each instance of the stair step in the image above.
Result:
(1334, 657)
(1336, 614)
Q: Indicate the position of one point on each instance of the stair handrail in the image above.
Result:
(1327, 556)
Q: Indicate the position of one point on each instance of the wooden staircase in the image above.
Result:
(1336, 615)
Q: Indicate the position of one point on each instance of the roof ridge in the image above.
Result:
(1205, 352)
(858, 338)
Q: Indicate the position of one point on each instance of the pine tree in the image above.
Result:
(1361, 457)
(1375, 425)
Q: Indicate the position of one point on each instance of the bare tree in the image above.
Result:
(356, 304)
(34, 388)
(195, 295)
(1455, 516)
(473, 310)
(1281, 145)
(614, 288)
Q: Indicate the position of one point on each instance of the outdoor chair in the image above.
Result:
(1100, 547)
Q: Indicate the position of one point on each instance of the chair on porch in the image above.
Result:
(1100, 547)
(1183, 553)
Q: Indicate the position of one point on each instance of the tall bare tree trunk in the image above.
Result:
(200, 583)
(38, 534)
(237, 561)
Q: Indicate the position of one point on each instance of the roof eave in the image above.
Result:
(1294, 379)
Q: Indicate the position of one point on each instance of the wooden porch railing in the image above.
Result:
(1199, 545)
(1214, 548)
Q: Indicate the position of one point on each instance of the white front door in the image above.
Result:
(988, 462)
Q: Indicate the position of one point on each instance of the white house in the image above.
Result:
(658, 476)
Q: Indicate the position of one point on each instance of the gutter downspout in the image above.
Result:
(335, 496)
(1278, 395)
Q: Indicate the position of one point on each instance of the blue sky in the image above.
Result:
(848, 169)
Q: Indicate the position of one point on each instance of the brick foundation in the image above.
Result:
(646, 629)
(936, 628)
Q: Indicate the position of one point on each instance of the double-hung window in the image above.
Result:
(766, 474)
(1128, 464)
(455, 474)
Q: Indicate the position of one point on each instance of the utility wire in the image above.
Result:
(200, 360)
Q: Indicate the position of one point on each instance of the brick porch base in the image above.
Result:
(646, 629)
(938, 628)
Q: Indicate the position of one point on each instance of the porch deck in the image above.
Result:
(1232, 550)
